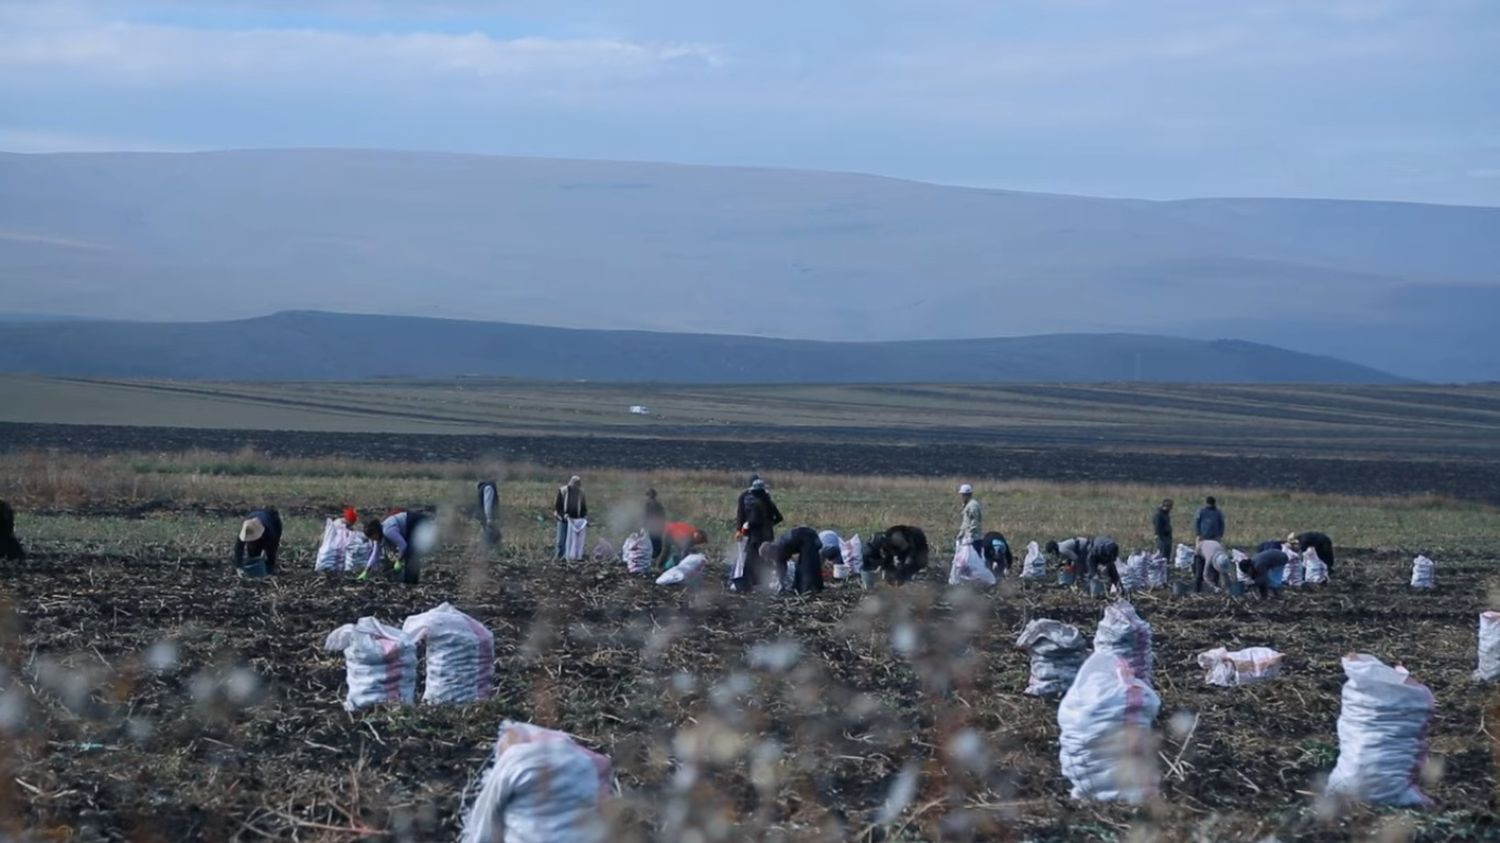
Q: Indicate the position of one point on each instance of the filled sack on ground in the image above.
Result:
(1489, 648)
(460, 655)
(332, 556)
(1104, 732)
(1382, 734)
(1133, 572)
(1314, 569)
(685, 571)
(541, 787)
(1292, 574)
(852, 552)
(577, 535)
(968, 567)
(1184, 558)
(636, 551)
(1057, 651)
(1158, 571)
(1230, 669)
(380, 663)
(1034, 567)
(1125, 634)
(1423, 573)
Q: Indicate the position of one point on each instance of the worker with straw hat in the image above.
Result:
(260, 535)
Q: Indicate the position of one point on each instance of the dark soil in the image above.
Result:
(112, 749)
(1467, 479)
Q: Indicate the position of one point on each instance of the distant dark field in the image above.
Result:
(1357, 440)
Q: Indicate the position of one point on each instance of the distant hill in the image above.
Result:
(1402, 287)
(318, 346)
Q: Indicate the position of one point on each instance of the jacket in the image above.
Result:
(972, 525)
(267, 545)
(1210, 523)
(757, 510)
(1162, 523)
(571, 503)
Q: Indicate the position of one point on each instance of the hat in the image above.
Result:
(252, 530)
(758, 485)
(966, 489)
(350, 516)
(574, 480)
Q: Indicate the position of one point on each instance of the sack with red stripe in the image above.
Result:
(380, 663)
(1104, 731)
(460, 655)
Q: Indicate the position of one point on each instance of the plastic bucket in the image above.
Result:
(1065, 577)
(254, 568)
(1097, 588)
(840, 571)
(867, 579)
(1181, 589)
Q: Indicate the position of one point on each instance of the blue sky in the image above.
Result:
(1381, 99)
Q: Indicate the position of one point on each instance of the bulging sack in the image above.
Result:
(688, 570)
(1057, 651)
(331, 550)
(1133, 573)
(1314, 569)
(636, 551)
(1104, 724)
(1489, 648)
(1291, 575)
(852, 552)
(1423, 573)
(1382, 734)
(460, 655)
(380, 663)
(1124, 633)
(541, 787)
(968, 567)
(1240, 667)
(577, 535)
(1158, 571)
(1235, 558)
(1184, 558)
(1035, 565)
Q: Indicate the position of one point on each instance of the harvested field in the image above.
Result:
(795, 715)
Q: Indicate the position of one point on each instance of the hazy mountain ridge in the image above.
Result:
(738, 251)
(327, 346)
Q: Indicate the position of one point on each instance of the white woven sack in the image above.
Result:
(1184, 558)
(686, 571)
(1489, 648)
(577, 535)
(1035, 565)
(1235, 558)
(852, 551)
(1158, 571)
(380, 663)
(969, 568)
(1382, 734)
(1133, 573)
(1057, 651)
(1104, 732)
(1314, 569)
(636, 551)
(1292, 574)
(541, 787)
(1124, 633)
(460, 655)
(330, 558)
(1239, 667)
(1423, 573)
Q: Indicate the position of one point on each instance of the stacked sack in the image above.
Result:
(341, 549)
(636, 551)
(1057, 651)
(460, 655)
(1133, 573)
(1382, 734)
(1423, 573)
(1035, 565)
(541, 787)
(1104, 724)
(1291, 575)
(1489, 648)
(1240, 667)
(380, 663)
(1123, 633)
(1158, 571)
(1314, 569)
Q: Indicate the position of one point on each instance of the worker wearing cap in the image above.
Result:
(971, 527)
(260, 535)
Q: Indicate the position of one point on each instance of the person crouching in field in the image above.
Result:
(1319, 542)
(10, 546)
(260, 535)
(1209, 561)
(679, 540)
(899, 553)
(1101, 560)
(1073, 555)
(400, 531)
(1265, 569)
(997, 553)
(802, 545)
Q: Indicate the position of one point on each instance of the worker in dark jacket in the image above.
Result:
(1073, 554)
(997, 553)
(1316, 541)
(756, 516)
(1102, 555)
(802, 546)
(489, 512)
(570, 504)
(1209, 525)
(1161, 523)
(1265, 570)
(260, 535)
(899, 553)
(654, 518)
(10, 546)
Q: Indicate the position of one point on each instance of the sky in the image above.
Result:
(1364, 99)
